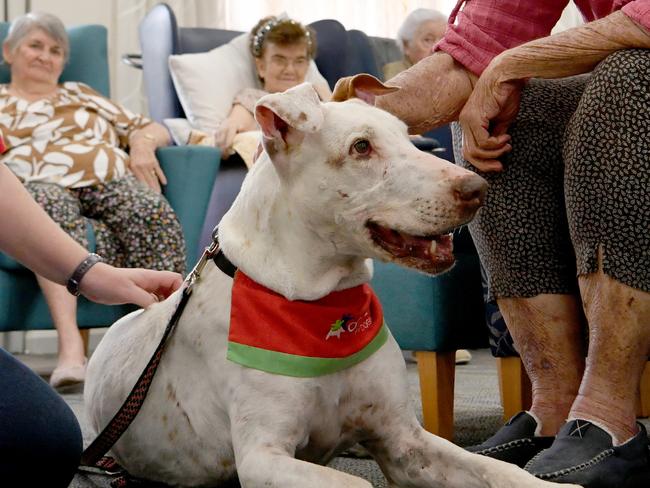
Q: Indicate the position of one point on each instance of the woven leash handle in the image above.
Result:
(131, 406)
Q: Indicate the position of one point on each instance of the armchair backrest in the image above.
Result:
(88, 60)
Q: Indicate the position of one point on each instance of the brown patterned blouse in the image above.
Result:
(75, 139)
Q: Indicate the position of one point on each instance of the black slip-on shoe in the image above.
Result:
(583, 454)
(515, 442)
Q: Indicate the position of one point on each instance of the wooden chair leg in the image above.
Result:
(85, 336)
(514, 385)
(644, 393)
(437, 374)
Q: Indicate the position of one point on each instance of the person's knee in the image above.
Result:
(632, 63)
(40, 438)
(624, 68)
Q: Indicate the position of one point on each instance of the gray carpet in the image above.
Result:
(476, 407)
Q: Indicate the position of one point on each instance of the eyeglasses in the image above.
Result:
(283, 62)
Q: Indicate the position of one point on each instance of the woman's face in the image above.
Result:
(426, 35)
(282, 66)
(38, 58)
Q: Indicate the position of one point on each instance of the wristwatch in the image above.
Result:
(75, 280)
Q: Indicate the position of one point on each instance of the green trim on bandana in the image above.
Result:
(300, 366)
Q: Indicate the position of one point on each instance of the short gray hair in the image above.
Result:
(414, 20)
(51, 24)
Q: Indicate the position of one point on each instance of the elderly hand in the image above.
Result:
(485, 119)
(224, 137)
(144, 165)
(112, 286)
(239, 120)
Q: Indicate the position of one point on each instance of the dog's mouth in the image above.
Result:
(431, 253)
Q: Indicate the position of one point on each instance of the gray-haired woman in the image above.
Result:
(417, 35)
(67, 143)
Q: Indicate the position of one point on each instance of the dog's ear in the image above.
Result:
(285, 117)
(363, 86)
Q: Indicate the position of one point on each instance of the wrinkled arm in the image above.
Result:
(432, 93)
(571, 52)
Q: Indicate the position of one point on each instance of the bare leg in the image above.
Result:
(63, 308)
(619, 344)
(547, 330)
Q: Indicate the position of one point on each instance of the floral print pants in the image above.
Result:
(133, 226)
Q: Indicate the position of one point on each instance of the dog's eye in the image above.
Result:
(362, 147)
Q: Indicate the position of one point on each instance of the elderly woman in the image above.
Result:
(565, 231)
(417, 35)
(67, 143)
(282, 49)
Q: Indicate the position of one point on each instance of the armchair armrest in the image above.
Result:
(190, 171)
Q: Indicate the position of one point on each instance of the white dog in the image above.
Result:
(338, 183)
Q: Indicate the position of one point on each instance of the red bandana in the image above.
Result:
(301, 338)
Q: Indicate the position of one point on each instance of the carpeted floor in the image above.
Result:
(476, 407)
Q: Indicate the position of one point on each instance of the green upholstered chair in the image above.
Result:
(435, 316)
(190, 172)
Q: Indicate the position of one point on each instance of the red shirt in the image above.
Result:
(485, 28)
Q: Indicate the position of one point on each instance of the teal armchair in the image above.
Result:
(435, 316)
(190, 171)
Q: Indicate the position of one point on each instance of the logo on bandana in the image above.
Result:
(347, 324)
(340, 326)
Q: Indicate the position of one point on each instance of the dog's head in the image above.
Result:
(353, 176)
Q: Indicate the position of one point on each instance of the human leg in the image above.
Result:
(608, 208)
(40, 438)
(523, 240)
(63, 207)
(619, 346)
(547, 330)
(608, 204)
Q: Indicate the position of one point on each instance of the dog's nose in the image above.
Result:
(470, 188)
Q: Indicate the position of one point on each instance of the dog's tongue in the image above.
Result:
(402, 245)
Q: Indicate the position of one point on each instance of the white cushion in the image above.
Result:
(179, 129)
(207, 83)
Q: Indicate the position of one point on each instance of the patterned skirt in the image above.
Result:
(577, 180)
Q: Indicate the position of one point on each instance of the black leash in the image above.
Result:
(93, 456)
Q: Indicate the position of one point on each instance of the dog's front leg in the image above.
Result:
(413, 457)
(266, 466)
